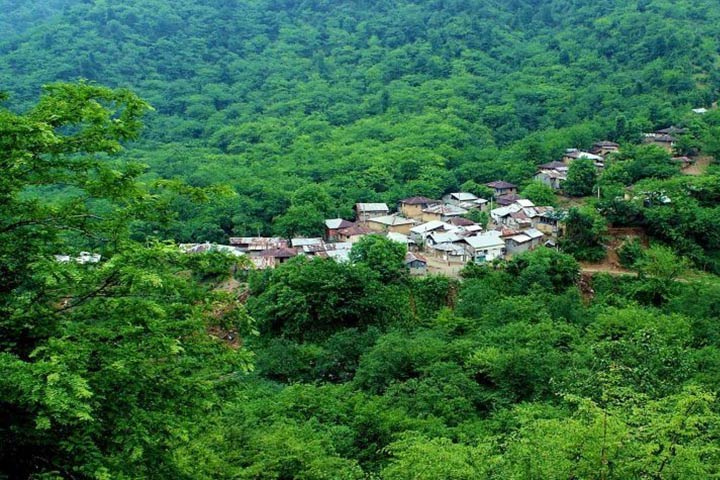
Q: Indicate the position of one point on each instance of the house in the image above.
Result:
(553, 178)
(461, 222)
(332, 226)
(391, 223)
(522, 242)
(353, 234)
(450, 252)
(671, 130)
(366, 211)
(305, 242)
(604, 148)
(420, 232)
(572, 154)
(412, 207)
(459, 197)
(278, 256)
(417, 264)
(438, 238)
(662, 140)
(507, 199)
(442, 212)
(255, 245)
(501, 187)
(548, 222)
(485, 247)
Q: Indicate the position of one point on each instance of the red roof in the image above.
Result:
(355, 230)
(280, 253)
(418, 201)
(461, 222)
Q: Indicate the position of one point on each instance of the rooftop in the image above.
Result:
(500, 184)
(371, 207)
(418, 201)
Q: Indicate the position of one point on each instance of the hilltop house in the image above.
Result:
(604, 148)
(572, 154)
(412, 207)
(501, 187)
(366, 211)
(664, 141)
(552, 174)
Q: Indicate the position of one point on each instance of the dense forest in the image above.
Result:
(369, 100)
(128, 127)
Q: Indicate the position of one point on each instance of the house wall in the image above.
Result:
(428, 217)
(488, 255)
(411, 211)
(404, 229)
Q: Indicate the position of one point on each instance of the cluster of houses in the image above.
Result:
(554, 174)
(437, 229)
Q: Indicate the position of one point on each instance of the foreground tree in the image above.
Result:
(105, 363)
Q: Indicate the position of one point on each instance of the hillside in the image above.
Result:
(371, 100)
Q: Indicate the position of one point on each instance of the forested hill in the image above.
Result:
(374, 100)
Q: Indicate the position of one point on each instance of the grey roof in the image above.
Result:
(464, 196)
(485, 240)
(392, 220)
(336, 223)
(371, 207)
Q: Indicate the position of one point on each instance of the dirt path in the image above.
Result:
(699, 167)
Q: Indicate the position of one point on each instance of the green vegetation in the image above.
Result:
(270, 116)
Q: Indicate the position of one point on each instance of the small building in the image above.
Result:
(442, 213)
(399, 238)
(420, 232)
(416, 263)
(572, 154)
(255, 245)
(501, 187)
(412, 207)
(461, 222)
(485, 247)
(507, 199)
(305, 242)
(279, 256)
(366, 211)
(553, 178)
(522, 242)
(332, 226)
(604, 148)
(391, 223)
(450, 252)
(662, 140)
(459, 197)
(353, 234)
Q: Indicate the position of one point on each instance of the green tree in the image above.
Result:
(583, 234)
(383, 256)
(95, 355)
(539, 194)
(581, 178)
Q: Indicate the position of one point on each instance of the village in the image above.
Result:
(439, 234)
